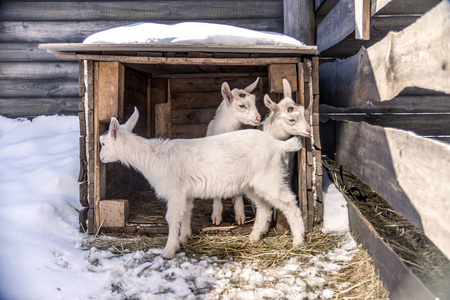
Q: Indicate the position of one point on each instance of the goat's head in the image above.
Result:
(111, 140)
(242, 103)
(287, 115)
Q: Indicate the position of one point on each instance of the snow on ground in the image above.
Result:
(189, 33)
(40, 246)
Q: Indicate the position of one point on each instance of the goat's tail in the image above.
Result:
(293, 144)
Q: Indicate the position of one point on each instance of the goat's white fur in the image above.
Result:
(285, 119)
(246, 162)
(238, 108)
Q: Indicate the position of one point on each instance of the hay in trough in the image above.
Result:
(419, 254)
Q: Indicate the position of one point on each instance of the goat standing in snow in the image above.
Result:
(237, 108)
(246, 162)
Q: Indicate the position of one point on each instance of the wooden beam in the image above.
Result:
(299, 20)
(278, 72)
(362, 19)
(382, 71)
(398, 279)
(217, 50)
(410, 172)
(114, 213)
(110, 86)
(336, 25)
(182, 60)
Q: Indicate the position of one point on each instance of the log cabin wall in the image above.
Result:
(33, 82)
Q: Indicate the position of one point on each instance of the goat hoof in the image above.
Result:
(240, 219)
(216, 219)
(253, 237)
(168, 254)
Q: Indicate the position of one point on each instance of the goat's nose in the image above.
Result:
(308, 130)
(258, 118)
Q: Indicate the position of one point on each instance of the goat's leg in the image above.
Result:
(263, 214)
(286, 203)
(216, 216)
(174, 215)
(186, 231)
(239, 213)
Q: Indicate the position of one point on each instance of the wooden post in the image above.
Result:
(299, 20)
(362, 19)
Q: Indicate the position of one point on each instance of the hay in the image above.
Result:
(357, 279)
(424, 259)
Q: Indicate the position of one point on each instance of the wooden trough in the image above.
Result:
(177, 90)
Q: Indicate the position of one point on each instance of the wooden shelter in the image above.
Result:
(177, 91)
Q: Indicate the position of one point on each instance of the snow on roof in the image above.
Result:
(189, 33)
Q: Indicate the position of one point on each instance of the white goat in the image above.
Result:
(237, 108)
(246, 162)
(284, 120)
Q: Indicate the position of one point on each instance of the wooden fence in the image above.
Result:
(402, 82)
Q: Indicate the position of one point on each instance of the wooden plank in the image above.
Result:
(77, 31)
(140, 10)
(398, 279)
(382, 71)
(410, 172)
(218, 51)
(110, 87)
(19, 52)
(318, 3)
(301, 155)
(196, 100)
(182, 60)
(32, 107)
(404, 7)
(189, 131)
(279, 71)
(24, 88)
(362, 19)
(192, 116)
(336, 25)
(299, 20)
(163, 117)
(209, 83)
(39, 70)
(114, 213)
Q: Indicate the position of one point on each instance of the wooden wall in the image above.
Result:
(390, 103)
(342, 27)
(33, 82)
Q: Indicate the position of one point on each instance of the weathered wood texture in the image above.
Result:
(336, 23)
(398, 279)
(410, 172)
(398, 82)
(299, 20)
(415, 57)
(49, 86)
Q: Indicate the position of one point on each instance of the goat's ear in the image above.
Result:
(270, 104)
(132, 121)
(252, 86)
(226, 92)
(287, 89)
(114, 128)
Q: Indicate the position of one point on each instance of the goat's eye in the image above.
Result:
(242, 95)
(103, 144)
(242, 106)
(291, 120)
(290, 109)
